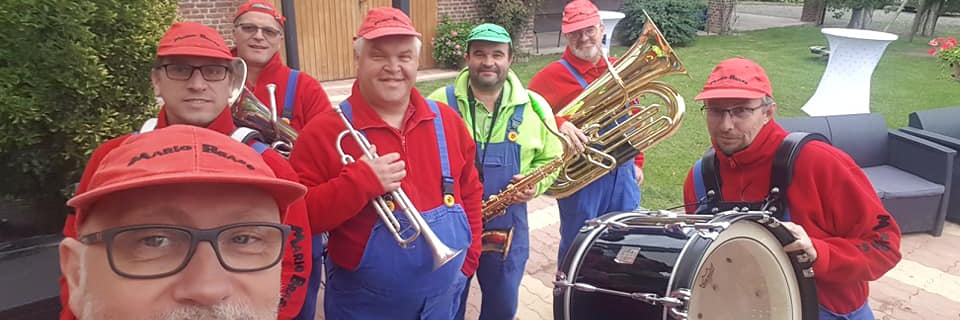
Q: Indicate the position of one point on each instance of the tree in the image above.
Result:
(861, 11)
(925, 21)
(73, 73)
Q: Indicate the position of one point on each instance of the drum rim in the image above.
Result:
(807, 288)
(577, 256)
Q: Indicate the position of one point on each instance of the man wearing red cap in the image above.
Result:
(196, 75)
(424, 148)
(559, 83)
(258, 34)
(838, 220)
(180, 223)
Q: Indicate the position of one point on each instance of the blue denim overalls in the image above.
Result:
(396, 283)
(615, 191)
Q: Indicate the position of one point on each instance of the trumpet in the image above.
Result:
(441, 252)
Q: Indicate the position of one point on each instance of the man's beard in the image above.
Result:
(487, 84)
(223, 311)
(588, 53)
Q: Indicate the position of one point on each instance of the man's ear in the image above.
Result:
(771, 112)
(71, 260)
(155, 81)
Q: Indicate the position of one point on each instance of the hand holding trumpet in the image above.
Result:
(390, 170)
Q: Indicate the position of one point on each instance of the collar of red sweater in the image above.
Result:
(223, 123)
(364, 117)
(583, 66)
(760, 151)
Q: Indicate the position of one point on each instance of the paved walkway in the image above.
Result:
(925, 285)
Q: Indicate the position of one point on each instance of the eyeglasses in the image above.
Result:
(251, 29)
(157, 251)
(589, 32)
(737, 113)
(210, 72)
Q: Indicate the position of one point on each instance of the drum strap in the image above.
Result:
(707, 179)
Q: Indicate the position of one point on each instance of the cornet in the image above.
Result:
(249, 112)
(441, 252)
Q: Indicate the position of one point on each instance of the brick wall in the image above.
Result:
(720, 16)
(214, 13)
(467, 10)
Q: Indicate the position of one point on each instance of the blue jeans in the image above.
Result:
(863, 313)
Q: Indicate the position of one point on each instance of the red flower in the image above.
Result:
(932, 51)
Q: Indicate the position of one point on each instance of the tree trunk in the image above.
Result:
(918, 18)
(860, 18)
(720, 16)
(813, 11)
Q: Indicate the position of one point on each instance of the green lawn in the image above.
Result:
(906, 80)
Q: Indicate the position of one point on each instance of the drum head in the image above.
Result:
(745, 274)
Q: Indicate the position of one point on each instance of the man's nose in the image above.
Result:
(196, 80)
(203, 281)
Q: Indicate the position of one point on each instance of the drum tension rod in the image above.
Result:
(651, 298)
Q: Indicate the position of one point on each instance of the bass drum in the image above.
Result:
(652, 265)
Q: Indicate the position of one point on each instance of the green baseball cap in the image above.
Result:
(489, 32)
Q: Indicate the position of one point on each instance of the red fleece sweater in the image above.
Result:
(830, 197)
(309, 99)
(296, 264)
(559, 87)
(338, 197)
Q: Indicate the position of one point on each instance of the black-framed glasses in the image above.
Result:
(157, 251)
(738, 113)
(251, 29)
(210, 72)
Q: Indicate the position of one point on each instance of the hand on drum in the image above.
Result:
(576, 136)
(803, 242)
(524, 195)
(388, 168)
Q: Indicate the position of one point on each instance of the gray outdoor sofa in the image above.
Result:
(912, 176)
(943, 127)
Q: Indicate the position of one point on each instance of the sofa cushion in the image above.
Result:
(945, 121)
(893, 183)
(862, 136)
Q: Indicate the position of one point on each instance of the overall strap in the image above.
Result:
(291, 93)
(147, 126)
(347, 109)
(781, 175)
(250, 137)
(452, 100)
(515, 120)
(706, 179)
(447, 183)
(566, 64)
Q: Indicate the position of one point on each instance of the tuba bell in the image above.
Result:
(251, 113)
(623, 112)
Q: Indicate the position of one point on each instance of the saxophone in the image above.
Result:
(496, 205)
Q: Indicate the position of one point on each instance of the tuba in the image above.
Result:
(623, 112)
(249, 112)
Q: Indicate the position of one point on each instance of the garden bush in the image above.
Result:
(678, 20)
(450, 43)
(73, 73)
(513, 15)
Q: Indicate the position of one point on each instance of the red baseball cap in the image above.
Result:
(736, 78)
(193, 39)
(182, 154)
(260, 6)
(381, 22)
(579, 14)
